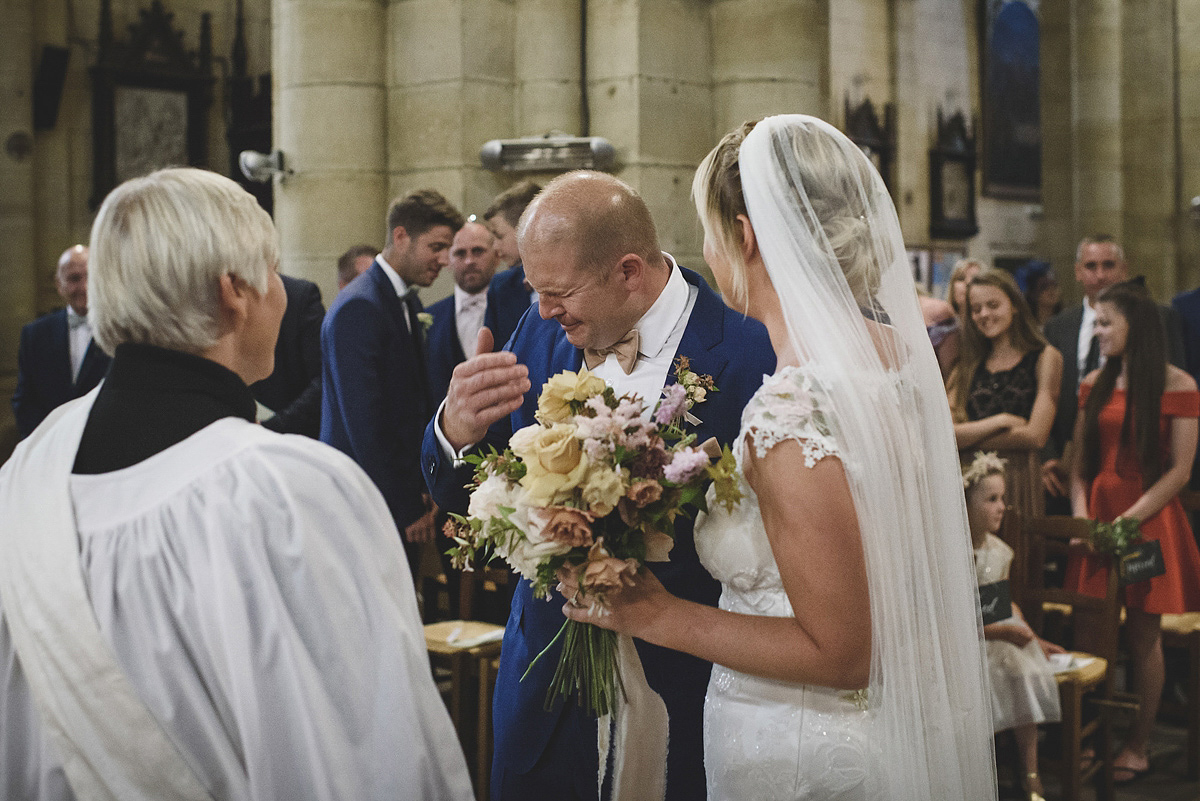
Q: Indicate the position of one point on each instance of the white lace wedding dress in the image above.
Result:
(771, 740)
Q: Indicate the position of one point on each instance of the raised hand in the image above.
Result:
(483, 389)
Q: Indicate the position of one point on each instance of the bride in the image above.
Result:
(847, 647)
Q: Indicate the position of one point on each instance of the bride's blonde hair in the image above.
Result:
(833, 185)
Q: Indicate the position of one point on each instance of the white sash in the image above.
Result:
(111, 747)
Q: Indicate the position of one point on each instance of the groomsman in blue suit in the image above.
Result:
(510, 295)
(57, 360)
(375, 395)
(591, 252)
(458, 318)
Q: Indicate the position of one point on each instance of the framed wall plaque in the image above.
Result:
(150, 99)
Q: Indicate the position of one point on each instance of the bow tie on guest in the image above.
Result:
(626, 350)
(75, 320)
(472, 302)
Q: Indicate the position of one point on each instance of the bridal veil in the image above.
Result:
(831, 241)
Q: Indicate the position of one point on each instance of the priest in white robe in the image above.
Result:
(191, 606)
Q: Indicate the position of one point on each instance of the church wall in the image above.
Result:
(44, 196)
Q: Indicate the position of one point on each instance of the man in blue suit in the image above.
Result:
(509, 295)
(375, 397)
(57, 360)
(591, 252)
(458, 318)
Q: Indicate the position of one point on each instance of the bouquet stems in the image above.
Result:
(587, 667)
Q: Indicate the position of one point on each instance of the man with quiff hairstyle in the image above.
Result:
(375, 396)
(607, 297)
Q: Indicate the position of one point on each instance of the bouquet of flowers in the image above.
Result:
(1116, 537)
(595, 488)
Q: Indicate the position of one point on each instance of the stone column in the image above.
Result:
(1148, 139)
(1099, 190)
(546, 61)
(329, 121)
(17, 262)
(1187, 31)
(450, 89)
(769, 57)
(650, 94)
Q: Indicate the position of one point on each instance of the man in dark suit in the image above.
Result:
(509, 295)
(591, 251)
(375, 397)
(293, 390)
(458, 318)
(57, 360)
(1099, 263)
(354, 262)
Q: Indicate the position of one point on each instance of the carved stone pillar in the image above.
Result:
(330, 104)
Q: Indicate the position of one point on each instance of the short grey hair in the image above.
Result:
(159, 247)
(1099, 239)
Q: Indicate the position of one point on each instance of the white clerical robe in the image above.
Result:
(254, 591)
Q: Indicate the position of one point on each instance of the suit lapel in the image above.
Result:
(704, 333)
(60, 347)
(410, 340)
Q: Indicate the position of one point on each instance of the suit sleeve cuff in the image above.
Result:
(456, 457)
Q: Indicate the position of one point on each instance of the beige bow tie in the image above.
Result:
(625, 348)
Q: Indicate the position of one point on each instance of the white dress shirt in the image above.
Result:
(79, 338)
(397, 283)
(660, 330)
(1087, 329)
(468, 317)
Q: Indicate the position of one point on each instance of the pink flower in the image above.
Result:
(686, 465)
(672, 404)
(564, 525)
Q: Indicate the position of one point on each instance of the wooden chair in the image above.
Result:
(483, 767)
(1183, 632)
(1047, 540)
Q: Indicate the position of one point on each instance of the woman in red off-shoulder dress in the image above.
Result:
(1136, 437)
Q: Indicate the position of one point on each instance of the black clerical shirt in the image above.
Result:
(154, 398)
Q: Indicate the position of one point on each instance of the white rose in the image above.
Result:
(489, 496)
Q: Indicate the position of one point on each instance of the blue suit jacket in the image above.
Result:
(507, 302)
(44, 370)
(737, 353)
(374, 391)
(445, 351)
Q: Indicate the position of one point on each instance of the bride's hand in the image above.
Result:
(628, 609)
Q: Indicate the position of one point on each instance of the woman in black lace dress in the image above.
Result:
(1004, 389)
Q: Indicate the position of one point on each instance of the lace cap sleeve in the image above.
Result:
(789, 406)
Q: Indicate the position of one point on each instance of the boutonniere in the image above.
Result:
(696, 387)
(426, 321)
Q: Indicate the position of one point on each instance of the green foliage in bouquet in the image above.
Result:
(1116, 537)
(595, 489)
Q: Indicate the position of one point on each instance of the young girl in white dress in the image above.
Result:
(1024, 691)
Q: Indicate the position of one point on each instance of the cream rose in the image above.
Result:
(554, 464)
(602, 489)
(562, 390)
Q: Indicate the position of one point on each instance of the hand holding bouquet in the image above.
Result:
(593, 488)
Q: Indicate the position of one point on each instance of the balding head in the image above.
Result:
(599, 217)
(71, 278)
(590, 251)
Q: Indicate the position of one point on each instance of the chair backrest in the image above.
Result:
(1048, 544)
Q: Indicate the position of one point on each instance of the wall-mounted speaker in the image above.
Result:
(48, 86)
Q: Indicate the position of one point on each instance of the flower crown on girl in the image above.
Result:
(985, 463)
